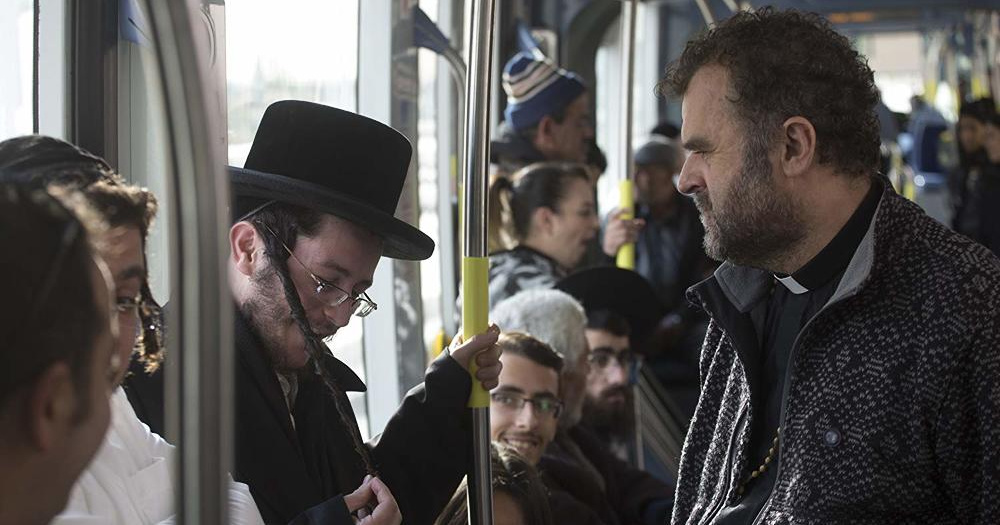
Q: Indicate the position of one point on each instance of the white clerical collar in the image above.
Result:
(793, 286)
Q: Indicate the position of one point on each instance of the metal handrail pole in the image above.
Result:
(475, 265)
(626, 254)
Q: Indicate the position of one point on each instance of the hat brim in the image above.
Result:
(623, 292)
(401, 240)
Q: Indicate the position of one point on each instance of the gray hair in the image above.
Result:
(551, 316)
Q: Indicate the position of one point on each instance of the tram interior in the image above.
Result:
(169, 95)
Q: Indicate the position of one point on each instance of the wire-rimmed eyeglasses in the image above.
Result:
(545, 405)
(329, 293)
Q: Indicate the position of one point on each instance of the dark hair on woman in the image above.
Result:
(37, 159)
(783, 64)
(513, 476)
(279, 225)
(530, 348)
(611, 322)
(48, 305)
(513, 201)
(979, 109)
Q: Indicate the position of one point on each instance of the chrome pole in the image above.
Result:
(626, 254)
(475, 265)
(199, 384)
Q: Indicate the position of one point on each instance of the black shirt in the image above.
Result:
(778, 321)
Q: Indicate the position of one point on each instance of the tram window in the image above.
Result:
(309, 51)
(143, 157)
(17, 53)
(608, 70)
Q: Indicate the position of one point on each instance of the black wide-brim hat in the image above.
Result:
(334, 162)
(623, 292)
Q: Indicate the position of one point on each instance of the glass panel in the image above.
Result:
(303, 50)
(143, 157)
(17, 54)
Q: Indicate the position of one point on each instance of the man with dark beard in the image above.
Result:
(622, 312)
(849, 373)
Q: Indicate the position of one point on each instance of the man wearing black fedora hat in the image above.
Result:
(314, 214)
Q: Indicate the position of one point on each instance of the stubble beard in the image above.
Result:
(757, 224)
(267, 312)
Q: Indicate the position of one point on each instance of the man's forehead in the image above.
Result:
(705, 102)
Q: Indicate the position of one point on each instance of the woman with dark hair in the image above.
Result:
(548, 211)
(519, 497)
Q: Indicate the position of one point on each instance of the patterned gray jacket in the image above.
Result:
(891, 407)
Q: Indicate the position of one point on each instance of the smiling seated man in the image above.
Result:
(525, 409)
(576, 461)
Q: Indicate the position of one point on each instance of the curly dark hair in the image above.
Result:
(790, 63)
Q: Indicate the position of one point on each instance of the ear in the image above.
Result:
(243, 247)
(544, 134)
(799, 146)
(542, 219)
(52, 405)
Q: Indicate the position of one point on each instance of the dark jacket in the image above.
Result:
(891, 406)
(422, 455)
(623, 494)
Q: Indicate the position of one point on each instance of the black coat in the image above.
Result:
(422, 455)
(298, 476)
(629, 495)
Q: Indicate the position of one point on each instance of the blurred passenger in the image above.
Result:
(669, 253)
(549, 210)
(547, 118)
(131, 479)
(576, 461)
(666, 129)
(988, 188)
(832, 392)
(58, 361)
(519, 498)
(313, 214)
(966, 183)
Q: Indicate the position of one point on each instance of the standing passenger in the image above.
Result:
(850, 372)
(57, 357)
(314, 211)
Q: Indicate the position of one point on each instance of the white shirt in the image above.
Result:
(131, 479)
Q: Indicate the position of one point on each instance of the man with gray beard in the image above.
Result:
(849, 373)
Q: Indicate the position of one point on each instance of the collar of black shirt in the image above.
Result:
(835, 256)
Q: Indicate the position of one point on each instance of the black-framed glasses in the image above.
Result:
(514, 402)
(601, 358)
(329, 293)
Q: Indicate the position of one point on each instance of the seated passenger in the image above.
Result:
(549, 208)
(131, 479)
(576, 461)
(313, 215)
(57, 358)
(519, 497)
(622, 311)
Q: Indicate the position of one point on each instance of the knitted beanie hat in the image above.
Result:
(536, 87)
